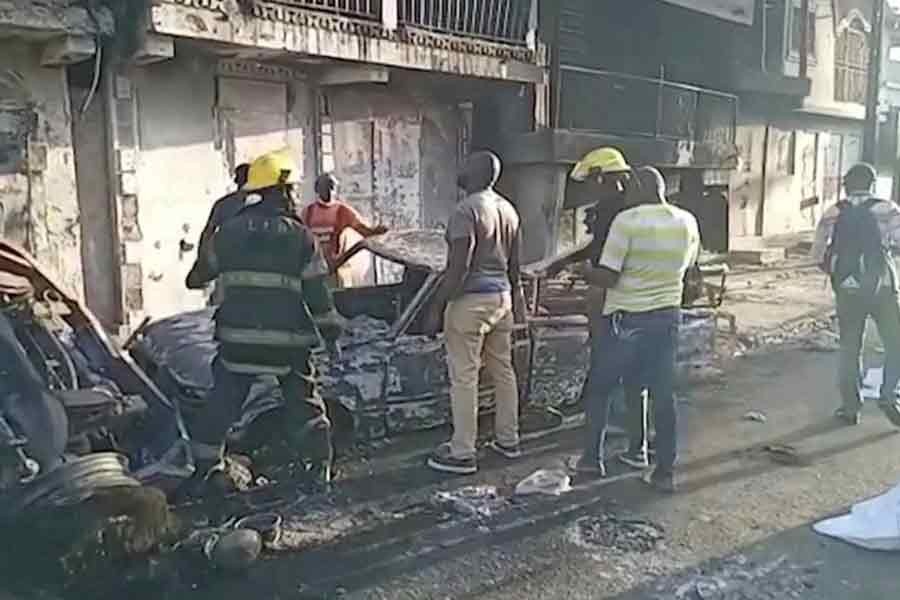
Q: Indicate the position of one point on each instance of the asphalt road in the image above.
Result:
(739, 528)
(735, 501)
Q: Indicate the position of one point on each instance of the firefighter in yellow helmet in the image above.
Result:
(602, 161)
(608, 175)
(276, 305)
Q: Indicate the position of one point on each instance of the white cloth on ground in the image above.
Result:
(873, 524)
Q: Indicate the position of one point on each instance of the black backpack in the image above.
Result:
(857, 259)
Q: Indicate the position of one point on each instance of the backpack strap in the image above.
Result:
(868, 204)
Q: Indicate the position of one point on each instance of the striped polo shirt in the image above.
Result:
(651, 246)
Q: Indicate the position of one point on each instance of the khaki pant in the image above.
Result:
(479, 327)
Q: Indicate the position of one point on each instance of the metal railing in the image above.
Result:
(365, 9)
(850, 83)
(496, 20)
(623, 104)
(504, 21)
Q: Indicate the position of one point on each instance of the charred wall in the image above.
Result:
(186, 124)
(396, 152)
(38, 201)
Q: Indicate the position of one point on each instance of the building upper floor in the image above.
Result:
(677, 68)
(494, 39)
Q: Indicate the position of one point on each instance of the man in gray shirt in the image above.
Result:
(483, 301)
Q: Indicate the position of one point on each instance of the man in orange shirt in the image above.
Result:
(328, 218)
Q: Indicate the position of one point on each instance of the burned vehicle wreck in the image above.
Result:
(391, 378)
(73, 407)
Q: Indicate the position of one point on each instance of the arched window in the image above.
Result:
(851, 62)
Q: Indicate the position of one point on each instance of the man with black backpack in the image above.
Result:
(853, 245)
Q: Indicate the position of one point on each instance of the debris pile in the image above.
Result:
(816, 334)
(480, 501)
(624, 535)
(738, 578)
(822, 340)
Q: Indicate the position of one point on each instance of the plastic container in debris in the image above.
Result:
(551, 482)
(234, 551)
(268, 525)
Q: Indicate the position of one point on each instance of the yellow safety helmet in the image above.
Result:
(274, 168)
(606, 160)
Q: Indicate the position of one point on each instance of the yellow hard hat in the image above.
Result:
(606, 160)
(274, 168)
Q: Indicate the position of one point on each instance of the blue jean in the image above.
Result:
(634, 347)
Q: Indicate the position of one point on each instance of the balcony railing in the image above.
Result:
(496, 20)
(622, 104)
(505, 21)
(364, 9)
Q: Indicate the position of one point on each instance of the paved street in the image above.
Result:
(740, 508)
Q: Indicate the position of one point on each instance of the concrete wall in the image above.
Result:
(395, 153)
(189, 137)
(789, 173)
(38, 201)
(180, 173)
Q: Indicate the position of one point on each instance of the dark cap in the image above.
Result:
(860, 178)
(481, 171)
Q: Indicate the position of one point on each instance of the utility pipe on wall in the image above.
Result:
(804, 38)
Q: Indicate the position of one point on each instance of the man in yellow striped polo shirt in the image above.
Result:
(650, 246)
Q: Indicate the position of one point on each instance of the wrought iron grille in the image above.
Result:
(497, 20)
(366, 9)
(851, 66)
(622, 104)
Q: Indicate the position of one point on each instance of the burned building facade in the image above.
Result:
(38, 200)
(752, 138)
(382, 92)
(120, 126)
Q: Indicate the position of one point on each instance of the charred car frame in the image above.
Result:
(391, 378)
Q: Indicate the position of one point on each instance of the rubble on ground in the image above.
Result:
(739, 578)
(822, 340)
(54, 544)
(622, 535)
(481, 501)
